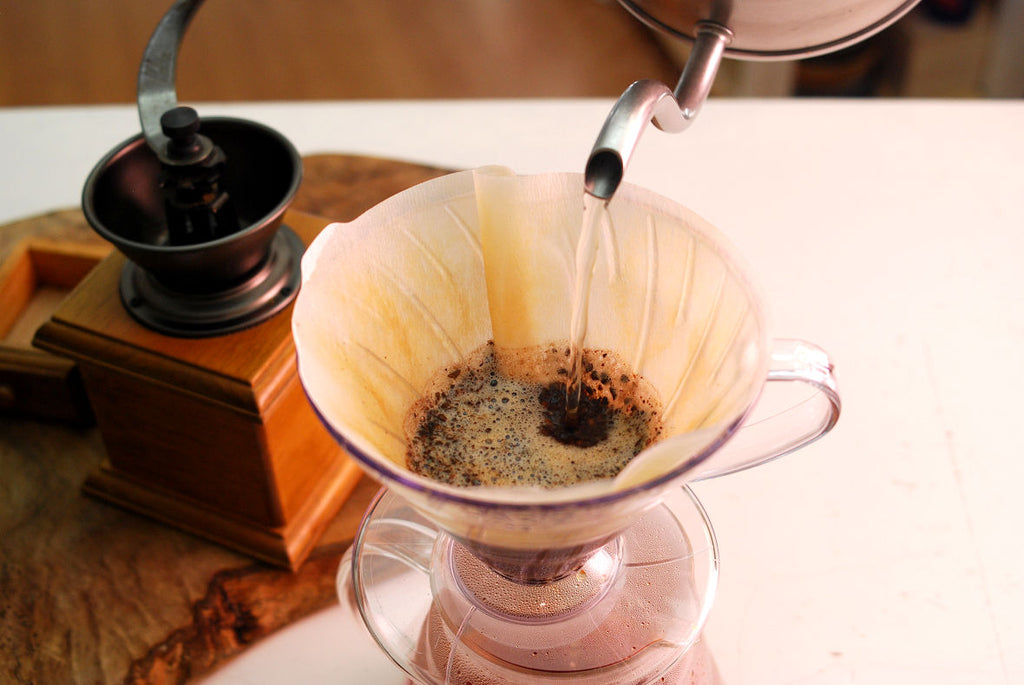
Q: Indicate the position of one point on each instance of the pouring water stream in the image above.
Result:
(643, 102)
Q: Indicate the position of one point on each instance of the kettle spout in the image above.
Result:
(652, 101)
(642, 102)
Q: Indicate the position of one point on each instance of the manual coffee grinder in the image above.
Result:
(182, 336)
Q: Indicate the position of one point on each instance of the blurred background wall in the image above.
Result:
(88, 51)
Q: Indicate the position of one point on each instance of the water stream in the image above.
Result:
(594, 212)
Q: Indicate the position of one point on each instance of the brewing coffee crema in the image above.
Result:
(500, 420)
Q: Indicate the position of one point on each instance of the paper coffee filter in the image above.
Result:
(386, 301)
(528, 230)
(393, 297)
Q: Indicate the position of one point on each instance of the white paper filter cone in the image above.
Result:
(430, 275)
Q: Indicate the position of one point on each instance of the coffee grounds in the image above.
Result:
(592, 420)
(478, 425)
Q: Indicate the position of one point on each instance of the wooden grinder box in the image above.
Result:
(213, 435)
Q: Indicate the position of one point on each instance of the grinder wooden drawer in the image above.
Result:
(35, 277)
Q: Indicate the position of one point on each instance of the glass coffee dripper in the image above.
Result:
(601, 582)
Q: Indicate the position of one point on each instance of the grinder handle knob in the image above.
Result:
(181, 125)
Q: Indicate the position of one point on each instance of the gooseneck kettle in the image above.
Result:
(742, 29)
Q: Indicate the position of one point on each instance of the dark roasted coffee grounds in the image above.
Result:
(485, 423)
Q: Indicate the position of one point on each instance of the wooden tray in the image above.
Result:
(90, 593)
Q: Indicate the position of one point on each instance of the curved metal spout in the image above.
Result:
(646, 101)
(156, 89)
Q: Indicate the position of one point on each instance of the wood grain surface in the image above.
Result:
(93, 594)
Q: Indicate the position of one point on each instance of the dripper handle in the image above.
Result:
(788, 423)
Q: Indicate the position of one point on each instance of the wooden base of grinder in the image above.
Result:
(213, 435)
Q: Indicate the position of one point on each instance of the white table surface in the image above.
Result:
(891, 233)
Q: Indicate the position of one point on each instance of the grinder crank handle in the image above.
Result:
(156, 85)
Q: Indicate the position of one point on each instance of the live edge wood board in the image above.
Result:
(90, 592)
